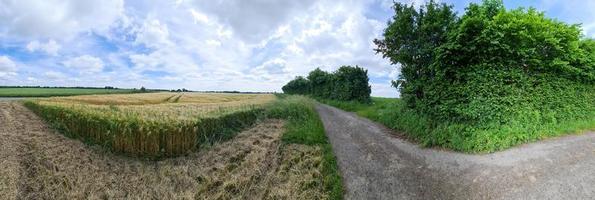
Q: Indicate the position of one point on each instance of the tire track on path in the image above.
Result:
(377, 165)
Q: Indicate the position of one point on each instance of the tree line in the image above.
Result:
(347, 83)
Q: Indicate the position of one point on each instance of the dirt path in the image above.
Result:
(377, 165)
(39, 163)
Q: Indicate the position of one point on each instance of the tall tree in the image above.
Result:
(411, 40)
(321, 83)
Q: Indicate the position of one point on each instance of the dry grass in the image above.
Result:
(162, 106)
(165, 97)
(152, 125)
(41, 164)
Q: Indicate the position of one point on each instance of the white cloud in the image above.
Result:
(153, 34)
(384, 90)
(56, 18)
(199, 17)
(252, 21)
(274, 70)
(7, 67)
(167, 59)
(85, 64)
(338, 34)
(54, 75)
(572, 11)
(51, 47)
(211, 45)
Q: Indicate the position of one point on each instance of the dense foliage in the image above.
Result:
(346, 83)
(299, 85)
(493, 76)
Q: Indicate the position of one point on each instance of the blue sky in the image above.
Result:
(246, 45)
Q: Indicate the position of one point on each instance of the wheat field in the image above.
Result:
(152, 125)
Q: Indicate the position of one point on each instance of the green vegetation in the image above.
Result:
(492, 78)
(394, 114)
(51, 92)
(305, 127)
(346, 84)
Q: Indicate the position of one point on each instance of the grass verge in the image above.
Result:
(305, 127)
(464, 137)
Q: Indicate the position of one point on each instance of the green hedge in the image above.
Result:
(346, 84)
(491, 78)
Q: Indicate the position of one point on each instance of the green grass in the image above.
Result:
(50, 92)
(305, 127)
(471, 138)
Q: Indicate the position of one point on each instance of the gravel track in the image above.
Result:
(375, 164)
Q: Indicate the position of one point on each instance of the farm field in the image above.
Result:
(151, 124)
(39, 163)
(50, 92)
(209, 146)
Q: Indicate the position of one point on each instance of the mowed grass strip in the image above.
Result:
(152, 130)
(304, 127)
(51, 92)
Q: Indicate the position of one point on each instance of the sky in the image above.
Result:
(244, 45)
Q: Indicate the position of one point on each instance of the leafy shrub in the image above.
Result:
(492, 78)
(347, 83)
(299, 85)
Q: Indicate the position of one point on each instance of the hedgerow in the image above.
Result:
(346, 83)
(492, 78)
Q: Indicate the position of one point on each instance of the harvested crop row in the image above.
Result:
(129, 130)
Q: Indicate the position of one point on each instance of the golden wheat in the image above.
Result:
(152, 124)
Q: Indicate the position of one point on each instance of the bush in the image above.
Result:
(299, 85)
(347, 83)
(492, 78)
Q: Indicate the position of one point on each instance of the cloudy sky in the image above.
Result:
(246, 45)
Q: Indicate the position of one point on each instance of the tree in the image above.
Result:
(351, 84)
(475, 68)
(143, 89)
(411, 40)
(299, 85)
(321, 83)
(346, 84)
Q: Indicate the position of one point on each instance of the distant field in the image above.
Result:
(50, 92)
(152, 124)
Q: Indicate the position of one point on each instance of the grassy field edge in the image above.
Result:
(304, 126)
(466, 138)
(154, 140)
